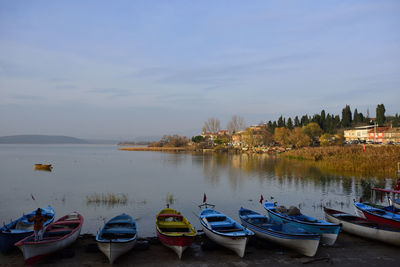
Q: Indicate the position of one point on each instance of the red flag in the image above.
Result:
(261, 199)
(33, 197)
(204, 198)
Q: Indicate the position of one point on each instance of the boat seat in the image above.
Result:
(119, 231)
(170, 215)
(175, 230)
(223, 224)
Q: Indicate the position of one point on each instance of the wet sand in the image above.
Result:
(348, 251)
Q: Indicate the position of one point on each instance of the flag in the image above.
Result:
(364, 147)
(204, 198)
(33, 197)
(261, 199)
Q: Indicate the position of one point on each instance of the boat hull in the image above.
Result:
(374, 233)
(7, 240)
(328, 231)
(34, 252)
(235, 243)
(113, 250)
(176, 243)
(393, 220)
(307, 246)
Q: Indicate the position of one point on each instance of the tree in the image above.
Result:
(236, 124)
(380, 114)
(281, 122)
(312, 130)
(304, 120)
(289, 124)
(346, 116)
(282, 135)
(356, 118)
(396, 121)
(197, 139)
(322, 123)
(298, 138)
(212, 125)
(296, 122)
(266, 135)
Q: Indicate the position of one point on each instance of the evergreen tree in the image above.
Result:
(304, 120)
(356, 117)
(296, 122)
(396, 121)
(323, 120)
(380, 114)
(346, 116)
(274, 125)
(269, 124)
(289, 124)
(281, 122)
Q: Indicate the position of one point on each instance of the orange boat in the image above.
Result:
(42, 167)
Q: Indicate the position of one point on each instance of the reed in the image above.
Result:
(379, 161)
(107, 199)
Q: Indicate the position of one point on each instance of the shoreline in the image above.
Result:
(347, 251)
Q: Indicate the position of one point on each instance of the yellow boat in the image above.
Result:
(42, 167)
(174, 230)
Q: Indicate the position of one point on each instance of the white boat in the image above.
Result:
(283, 234)
(117, 237)
(225, 231)
(364, 228)
(58, 235)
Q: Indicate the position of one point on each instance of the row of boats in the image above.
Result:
(286, 227)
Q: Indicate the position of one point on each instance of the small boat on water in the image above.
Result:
(283, 234)
(377, 215)
(174, 230)
(363, 227)
(58, 235)
(20, 228)
(328, 231)
(225, 231)
(117, 236)
(42, 167)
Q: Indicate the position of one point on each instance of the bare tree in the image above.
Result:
(236, 124)
(212, 125)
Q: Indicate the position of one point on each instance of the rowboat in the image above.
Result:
(225, 231)
(174, 230)
(117, 236)
(363, 227)
(42, 167)
(280, 214)
(377, 215)
(282, 234)
(21, 228)
(58, 235)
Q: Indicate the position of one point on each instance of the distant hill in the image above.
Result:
(41, 139)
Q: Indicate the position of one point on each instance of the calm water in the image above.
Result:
(150, 178)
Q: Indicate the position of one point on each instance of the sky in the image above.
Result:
(128, 69)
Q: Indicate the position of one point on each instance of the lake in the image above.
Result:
(151, 179)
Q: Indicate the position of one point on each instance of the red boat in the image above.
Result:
(377, 215)
(174, 231)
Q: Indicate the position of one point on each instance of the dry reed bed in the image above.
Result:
(156, 148)
(380, 161)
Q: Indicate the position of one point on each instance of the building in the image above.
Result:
(358, 133)
(373, 133)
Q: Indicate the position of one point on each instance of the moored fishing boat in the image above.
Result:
(20, 228)
(42, 167)
(328, 231)
(283, 234)
(225, 231)
(174, 230)
(363, 227)
(58, 235)
(377, 215)
(117, 236)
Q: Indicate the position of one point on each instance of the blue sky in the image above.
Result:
(123, 69)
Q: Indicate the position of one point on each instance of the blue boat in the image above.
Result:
(21, 228)
(285, 235)
(280, 214)
(117, 236)
(225, 231)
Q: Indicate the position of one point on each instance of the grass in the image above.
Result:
(156, 148)
(109, 199)
(379, 161)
